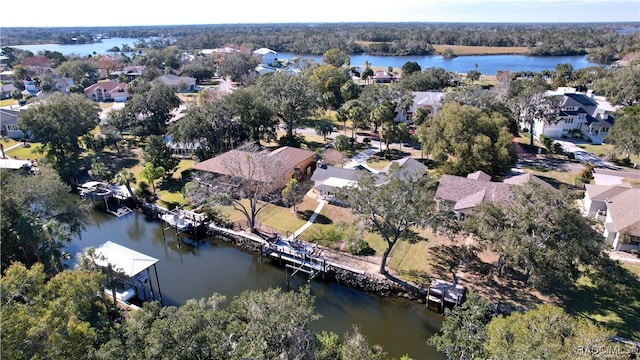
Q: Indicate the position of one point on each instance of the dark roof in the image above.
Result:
(580, 100)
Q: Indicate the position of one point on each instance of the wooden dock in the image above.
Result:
(443, 293)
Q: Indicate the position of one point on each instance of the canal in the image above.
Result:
(187, 272)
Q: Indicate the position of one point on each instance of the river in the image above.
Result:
(399, 325)
(487, 64)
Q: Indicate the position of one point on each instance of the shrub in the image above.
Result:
(359, 247)
(557, 148)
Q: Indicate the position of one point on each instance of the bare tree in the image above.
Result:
(248, 180)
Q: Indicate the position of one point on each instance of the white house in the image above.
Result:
(583, 112)
(618, 208)
(430, 100)
(9, 124)
(266, 56)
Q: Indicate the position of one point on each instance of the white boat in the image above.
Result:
(94, 190)
(178, 221)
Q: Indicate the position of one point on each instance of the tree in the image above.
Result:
(330, 81)
(546, 332)
(356, 112)
(473, 75)
(476, 140)
(410, 67)
(148, 111)
(152, 173)
(448, 53)
(324, 128)
(254, 114)
(463, 333)
(405, 200)
(126, 177)
(238, 67)
(250, 186)
(620, 85)
(290, 97)
(342, 142)
(99, 171)
(56, 319)
(625, 133)
(293, 193)
(58, 122)
(335, 57)
(37, 218)
(257, 324)
(540, 232)
(421, 115)
(159, 154)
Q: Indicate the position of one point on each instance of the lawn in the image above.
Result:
(24, 153)
(610, 297)
(603, 150)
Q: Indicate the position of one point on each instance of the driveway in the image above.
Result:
(585, 156)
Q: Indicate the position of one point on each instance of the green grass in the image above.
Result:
(24, 153)
(603, 150)
(610, 297)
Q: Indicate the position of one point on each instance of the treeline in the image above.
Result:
(604, 39)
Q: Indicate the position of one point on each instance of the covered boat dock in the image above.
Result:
(134, 266)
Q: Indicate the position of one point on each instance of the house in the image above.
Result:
(131, 72)
(107, 91)
(6, 90)
(286, 163)
(618, 208)
(429, 100)
(266, 56)
(328, 180)
(6, 75)
(263, 69)
(383, 77)
(181, 83)
(463, 194)
(9, 124)
(30, 87)
(582, 113)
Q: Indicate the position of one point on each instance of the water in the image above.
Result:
(400, 326)
(81, 49)
(487, 64)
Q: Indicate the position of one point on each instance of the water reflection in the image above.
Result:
(190, 269)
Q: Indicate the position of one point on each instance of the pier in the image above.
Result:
(443, 293)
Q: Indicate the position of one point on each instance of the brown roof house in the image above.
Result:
(107, 91)
(463, 194)
(618, 208)
(276, 167)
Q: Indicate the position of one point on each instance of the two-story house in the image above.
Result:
(266, 56)
(582, 113)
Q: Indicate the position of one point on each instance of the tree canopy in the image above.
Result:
(474, 139)
(540, 232)
(59, 122)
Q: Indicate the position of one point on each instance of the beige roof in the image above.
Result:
(604, 192)
(474, 189)
(525, 178)
(623, 206)
(466, 192)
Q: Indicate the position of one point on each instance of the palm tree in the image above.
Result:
(126, 177)
(152, 174)
(324, 128)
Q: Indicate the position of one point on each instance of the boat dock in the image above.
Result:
(296, 256)
(443, 293)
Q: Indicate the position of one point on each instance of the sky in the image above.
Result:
(47, 13)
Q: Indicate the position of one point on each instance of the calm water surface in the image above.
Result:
(487, 64)
(400, 326)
